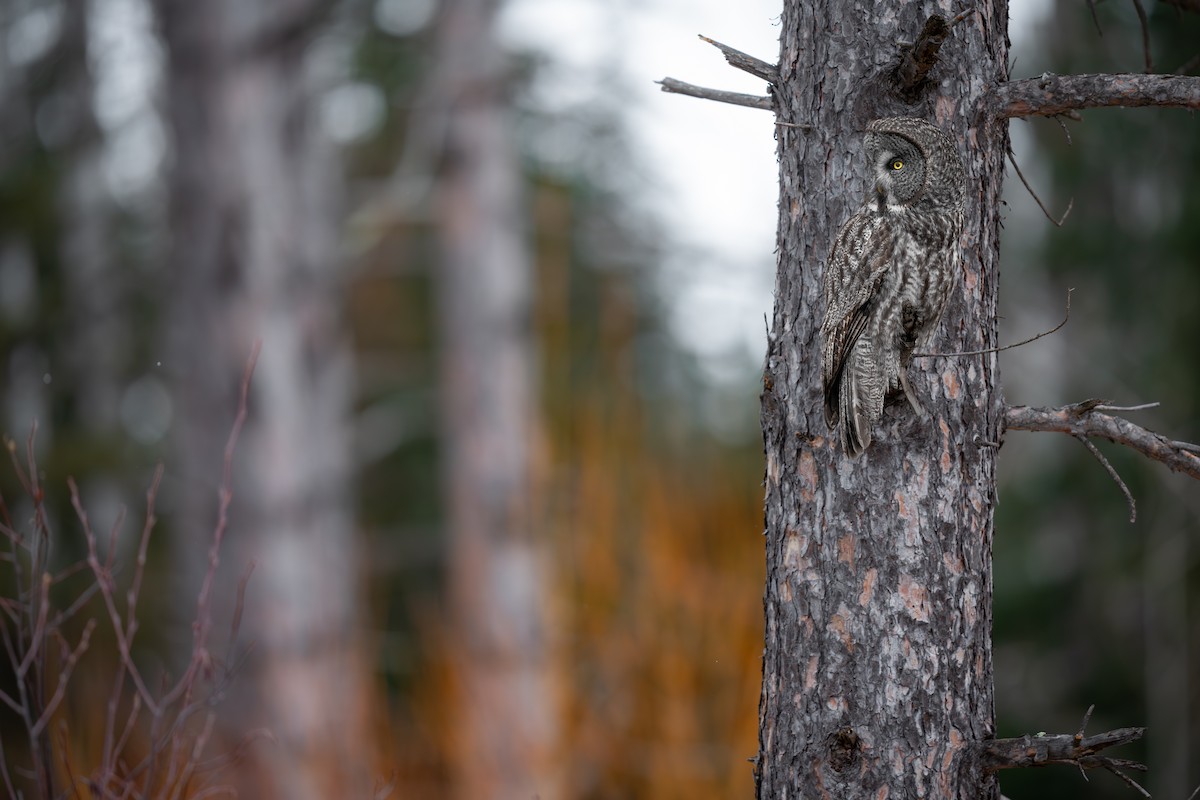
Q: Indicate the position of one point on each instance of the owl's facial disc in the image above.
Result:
(899, 171)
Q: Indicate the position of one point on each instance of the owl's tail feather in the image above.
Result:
(856, 422)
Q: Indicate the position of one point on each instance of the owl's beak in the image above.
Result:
(880, 192)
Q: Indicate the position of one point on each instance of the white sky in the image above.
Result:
(713, 176)
(714, 164)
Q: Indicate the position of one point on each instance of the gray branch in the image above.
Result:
(1058, 94)
(746, 63)
(1086, 420)
(1065, 748)
(1061, 748)
(719, 95)
(740, 60)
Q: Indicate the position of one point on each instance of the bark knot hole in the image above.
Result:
(844, 747)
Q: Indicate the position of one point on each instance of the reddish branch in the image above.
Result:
(42, 660)
(1058, 94)
(1086, 420)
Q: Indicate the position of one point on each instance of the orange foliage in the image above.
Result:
(661, 578)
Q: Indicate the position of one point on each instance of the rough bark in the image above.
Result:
(505, 714)
(877, 666)
(254, 199)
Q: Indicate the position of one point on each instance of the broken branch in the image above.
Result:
(916, 61)
(1057, 94)
(746, 63)
(719, 95)
(1084, 419)
(1064, 748)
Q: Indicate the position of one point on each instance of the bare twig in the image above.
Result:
(1084, 419)
(746, 63)
(225, 498)
(1087, 716)
(193, 760)
(1066, 131)
(1096, 20)
(986, 350)
(135, 708)
(1141, 12)
(64, 676)
(135, 586)
(719, 95)
(1070, 203)
(1111, 766)
(1188, 65)
(105, 582)
(8, 784)
(1112, 472)
(38, 635)
(1049, 94)
(64, 751)
(1139, 407)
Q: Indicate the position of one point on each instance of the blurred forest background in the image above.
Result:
(504, 517)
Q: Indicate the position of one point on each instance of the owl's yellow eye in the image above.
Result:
(897, 164)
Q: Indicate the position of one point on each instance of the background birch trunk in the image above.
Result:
(254, 216)
(506, 704)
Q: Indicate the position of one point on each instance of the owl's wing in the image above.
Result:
(857, 265)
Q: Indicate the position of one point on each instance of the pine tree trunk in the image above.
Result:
(878, 666)
(254, 214)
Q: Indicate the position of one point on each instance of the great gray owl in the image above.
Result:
(889, 274)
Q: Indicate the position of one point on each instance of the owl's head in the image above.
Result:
(914, 165)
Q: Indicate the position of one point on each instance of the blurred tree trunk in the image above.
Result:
(878, 666)
(506, 712)
(254, 215)
(93, 353)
